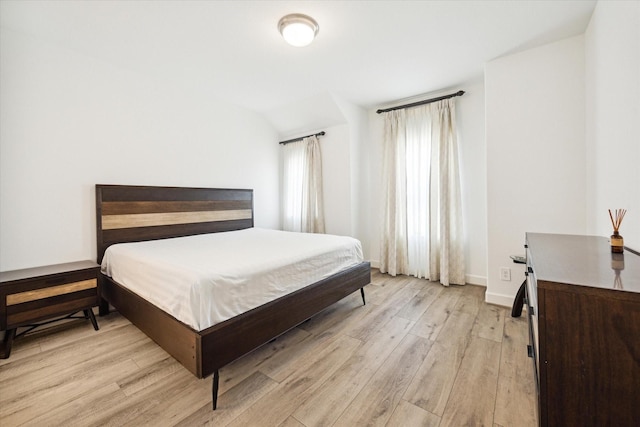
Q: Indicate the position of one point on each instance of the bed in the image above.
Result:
(126, 214)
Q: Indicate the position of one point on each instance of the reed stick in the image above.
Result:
(616, 218)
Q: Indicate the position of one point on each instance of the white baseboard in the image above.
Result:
(499, 299)
(472, 279)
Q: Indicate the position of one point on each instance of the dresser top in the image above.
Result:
(47, 270)
(583, 260)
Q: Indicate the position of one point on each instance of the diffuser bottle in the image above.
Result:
(617, 243)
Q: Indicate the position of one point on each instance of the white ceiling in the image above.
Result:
(368, 53)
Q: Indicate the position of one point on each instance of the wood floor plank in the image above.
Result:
(291, 422)
(349, 306)
(26, 348)
(54, 367)
(287, 363)
(490, 322)
(384, 286)
(408, 415)
(36, 364)
(231, 403)
(186, 400)
(370, 323)
(472, 398)
(79, 329)
(271, 359)
(515, 399)
(435, 316)
(428, 292)
(37, 402)
(310, 374)
(326, 405)
(471, 299)
(118, 411)
(516, 330)
(376, 402)
(432, 384)
(58, 334)
(142, 378)
(67, 413)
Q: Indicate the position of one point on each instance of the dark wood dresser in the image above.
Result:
(583, 304)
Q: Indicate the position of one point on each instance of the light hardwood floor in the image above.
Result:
(418, 354)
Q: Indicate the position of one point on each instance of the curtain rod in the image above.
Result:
(301, 138)
(426, 101)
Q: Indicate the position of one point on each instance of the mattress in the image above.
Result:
(206, 279)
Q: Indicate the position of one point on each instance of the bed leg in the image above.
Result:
(362, 293)
(103, 307)
(214, 389)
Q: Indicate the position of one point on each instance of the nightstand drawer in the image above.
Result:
(52, 291)
(44, 308)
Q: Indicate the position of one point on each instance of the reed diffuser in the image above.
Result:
(617, 243)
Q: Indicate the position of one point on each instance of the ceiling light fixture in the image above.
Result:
(298, 29)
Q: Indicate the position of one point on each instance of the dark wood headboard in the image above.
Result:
(126, 213)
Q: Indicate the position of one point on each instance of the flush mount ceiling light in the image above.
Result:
(298, 29)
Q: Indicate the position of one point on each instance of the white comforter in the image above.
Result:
(206, 279)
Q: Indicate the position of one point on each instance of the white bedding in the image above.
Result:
(206, 279)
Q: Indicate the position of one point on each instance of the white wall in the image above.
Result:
(473, 168)
(69, 121)
(613, 118)
(536, 170)
(358, 124)
(471, 141)
(336, 180)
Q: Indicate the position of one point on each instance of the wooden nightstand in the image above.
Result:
(43, 293)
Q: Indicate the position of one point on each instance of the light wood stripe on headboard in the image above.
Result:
(110, 222)
(126, 213)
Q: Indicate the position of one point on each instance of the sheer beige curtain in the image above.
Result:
(422, 232)
(303, 208)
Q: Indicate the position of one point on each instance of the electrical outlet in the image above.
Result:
(505, 273)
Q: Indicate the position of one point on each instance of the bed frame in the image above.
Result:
(138, 213)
